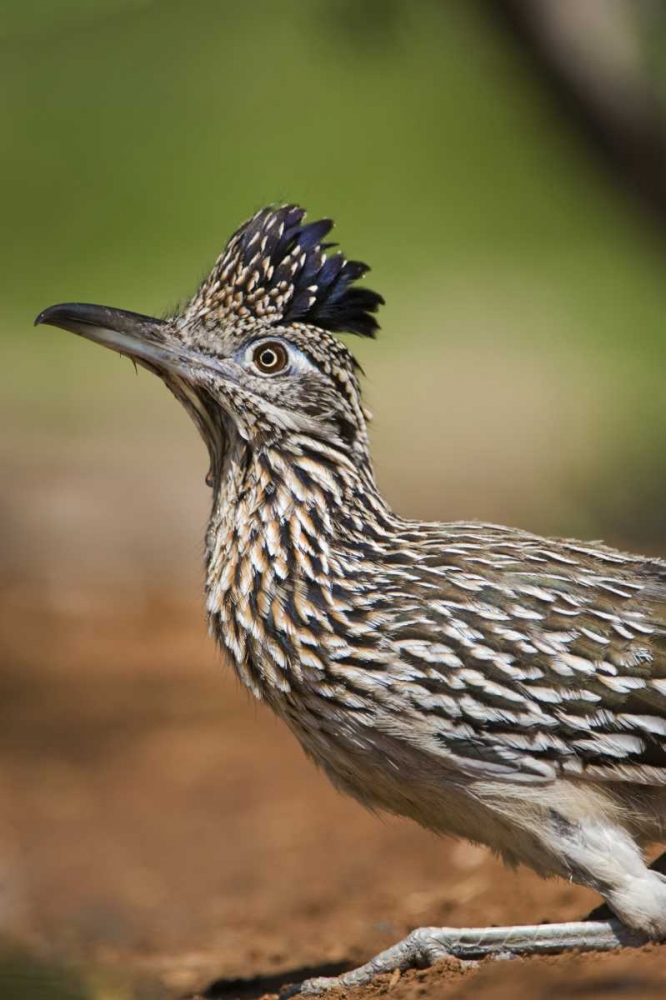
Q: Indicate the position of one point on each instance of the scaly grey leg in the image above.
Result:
(426, 945)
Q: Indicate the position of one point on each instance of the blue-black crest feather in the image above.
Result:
(289, 256)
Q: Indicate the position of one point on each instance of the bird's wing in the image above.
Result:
(530, 657)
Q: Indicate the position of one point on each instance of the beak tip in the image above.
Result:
(127, 333)
(48, 316)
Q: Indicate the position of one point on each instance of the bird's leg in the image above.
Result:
(603, 856)
(622, 876)
(604, 912)
(426, 945)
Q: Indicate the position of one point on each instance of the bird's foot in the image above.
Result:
(426, 945)
(419, 950)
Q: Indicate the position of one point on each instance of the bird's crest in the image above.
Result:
(275, 268)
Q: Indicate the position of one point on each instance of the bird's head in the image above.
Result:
(253, 353)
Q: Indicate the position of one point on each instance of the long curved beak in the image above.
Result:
(139, 337)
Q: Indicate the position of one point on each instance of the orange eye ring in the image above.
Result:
(270, 357)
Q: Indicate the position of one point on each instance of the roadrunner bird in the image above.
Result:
(484, 681)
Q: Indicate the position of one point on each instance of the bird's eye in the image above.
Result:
(270, 357)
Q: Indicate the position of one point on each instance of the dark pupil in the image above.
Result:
(269, 358)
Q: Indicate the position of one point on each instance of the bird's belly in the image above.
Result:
(383, 772)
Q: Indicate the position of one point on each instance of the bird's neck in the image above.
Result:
(284, 520)
(264, 494)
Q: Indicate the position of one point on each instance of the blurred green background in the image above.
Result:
(519, 372)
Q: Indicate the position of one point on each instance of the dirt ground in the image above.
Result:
(156, 821)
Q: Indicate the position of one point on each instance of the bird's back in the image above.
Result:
(530, 656)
